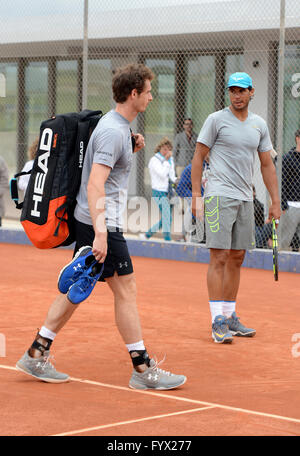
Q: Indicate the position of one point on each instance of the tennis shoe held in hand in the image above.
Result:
(237, 328)
(155, 378)
(73, 270)
(41, 368)
(220, 330)
(85, 284)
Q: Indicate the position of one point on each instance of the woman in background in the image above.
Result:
(162, 173)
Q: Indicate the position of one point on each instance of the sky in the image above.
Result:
(46, 20)
(15, 8)
(40, 20)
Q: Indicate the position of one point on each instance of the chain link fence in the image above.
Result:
(59, 56)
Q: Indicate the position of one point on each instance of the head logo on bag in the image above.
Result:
(39, 181)
(81, 154)
(50, 198)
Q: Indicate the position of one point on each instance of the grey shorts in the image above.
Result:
(229, 223)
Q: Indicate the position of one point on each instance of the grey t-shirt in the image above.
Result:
(233, 145)
(110, 145)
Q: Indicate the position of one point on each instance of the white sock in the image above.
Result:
(228, 308)
(136, 346)
(216, 308)
(45, 332)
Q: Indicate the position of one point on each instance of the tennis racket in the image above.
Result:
(275, 250)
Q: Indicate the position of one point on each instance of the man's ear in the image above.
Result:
(134, 93)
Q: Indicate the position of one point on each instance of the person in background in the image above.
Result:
(3, 186)
(162, 173)
(263, 231)
(193, 228)
(290, 195)
(184, 146)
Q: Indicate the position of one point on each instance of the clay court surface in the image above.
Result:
(249, 388)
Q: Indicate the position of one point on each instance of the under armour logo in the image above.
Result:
(121, 265)
(153, 377)
(77, 266)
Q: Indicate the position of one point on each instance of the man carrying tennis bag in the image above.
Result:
(101, 252)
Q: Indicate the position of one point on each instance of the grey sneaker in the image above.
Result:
(237, 328)
(41, 368)
(155, 378)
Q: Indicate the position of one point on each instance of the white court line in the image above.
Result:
(137, 420)
(178, 398)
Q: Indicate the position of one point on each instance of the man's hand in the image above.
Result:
(274, 212)
(198, 207)
(100, 247)
(139, 142)
(201, 152)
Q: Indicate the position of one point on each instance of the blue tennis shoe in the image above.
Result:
(73, 270)
(85, 284)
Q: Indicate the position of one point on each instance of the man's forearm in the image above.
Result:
(96, 201)
(270, 181)
(196, 174)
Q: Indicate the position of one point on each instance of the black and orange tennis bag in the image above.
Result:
(50, 198)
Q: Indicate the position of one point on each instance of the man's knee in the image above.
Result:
(125, 287)
(218, 257)
(237, 257)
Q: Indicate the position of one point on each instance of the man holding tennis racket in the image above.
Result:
(232, 137)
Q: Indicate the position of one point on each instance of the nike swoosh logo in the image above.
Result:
(219, 335)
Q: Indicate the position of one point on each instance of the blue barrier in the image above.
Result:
(180, 251)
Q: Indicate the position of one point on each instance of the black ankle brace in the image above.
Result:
(139, 357)
(41, 343)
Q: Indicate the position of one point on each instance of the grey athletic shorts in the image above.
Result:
(229, 223)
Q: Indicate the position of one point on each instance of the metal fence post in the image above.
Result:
(280, 104)
(85, 55)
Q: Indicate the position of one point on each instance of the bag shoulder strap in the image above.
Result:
(14, 191)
